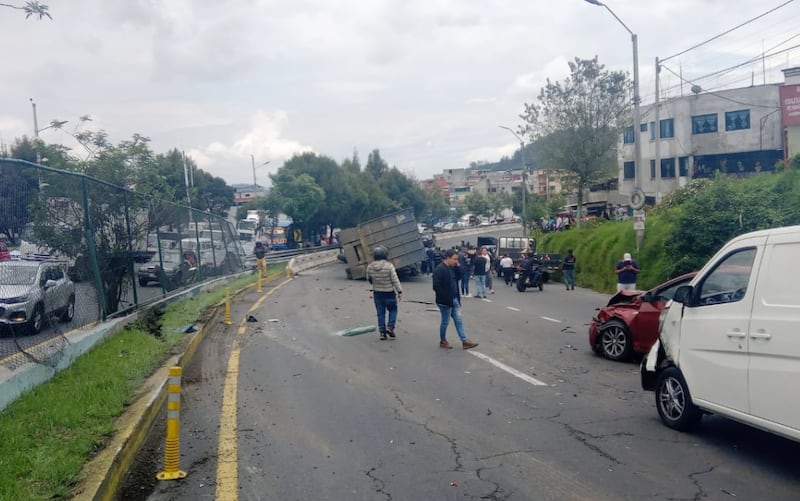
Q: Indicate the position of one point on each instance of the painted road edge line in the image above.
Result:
(514, 372)
(512, 308)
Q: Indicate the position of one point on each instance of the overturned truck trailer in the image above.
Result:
(398, 232)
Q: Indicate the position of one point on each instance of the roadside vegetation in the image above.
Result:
(685, 230)
(48, 434)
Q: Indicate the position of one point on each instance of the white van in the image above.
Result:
(730, 340)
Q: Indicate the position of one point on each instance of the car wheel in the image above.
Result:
(142, 282)
(521, 284)
(69, 310)
(36, 321)
(615, 341)
(674, 402)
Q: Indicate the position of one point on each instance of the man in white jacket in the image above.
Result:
(383, 277)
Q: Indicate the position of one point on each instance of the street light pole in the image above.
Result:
(35, 120)
(253, 161)
(638, 196)
(524, 172)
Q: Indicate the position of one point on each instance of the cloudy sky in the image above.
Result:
(425, 81)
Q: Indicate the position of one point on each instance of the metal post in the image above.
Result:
(255, 185)
(637, 197)
(228, 306)
(172, 449)
(35, 120)
(524, 189)
(658, 135)
(524, 171)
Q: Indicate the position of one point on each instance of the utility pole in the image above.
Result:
(524, 172)
(35, 120)
(637, 197)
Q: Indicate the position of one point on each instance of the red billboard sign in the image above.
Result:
(790, 104)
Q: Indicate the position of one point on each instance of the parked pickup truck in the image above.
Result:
(548, 264)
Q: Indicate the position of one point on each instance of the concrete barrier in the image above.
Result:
(308, 261)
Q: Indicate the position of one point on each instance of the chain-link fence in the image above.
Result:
(75, 250)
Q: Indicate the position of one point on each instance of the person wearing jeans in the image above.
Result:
(448, 299)
(568, 270)
(465, 264)
(383, 277)
(479, 263)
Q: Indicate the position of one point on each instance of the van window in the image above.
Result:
(728, 282)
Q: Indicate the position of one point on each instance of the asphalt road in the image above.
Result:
(284, 408)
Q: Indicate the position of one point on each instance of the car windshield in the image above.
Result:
(17, 275)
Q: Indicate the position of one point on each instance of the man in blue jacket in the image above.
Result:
(448, 299)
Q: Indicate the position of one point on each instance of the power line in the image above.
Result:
(726, 32)
(720, 96)
(722, 71)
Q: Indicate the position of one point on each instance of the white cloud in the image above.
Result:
(425, 81)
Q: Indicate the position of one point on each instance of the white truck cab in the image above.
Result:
(730, 340)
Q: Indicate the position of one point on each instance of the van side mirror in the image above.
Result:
(683, 294)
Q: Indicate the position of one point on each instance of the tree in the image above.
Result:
(376, 166)
(497, 202)
(476, 203)
(301, 197)
(576, 124)
(31, 9)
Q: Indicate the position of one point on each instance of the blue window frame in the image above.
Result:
(666, 128)
(652, 131)
(704, 124)
(652, 169)
(683, 166)
(628, 136)
(643, 128)
(629, 170)
(667, 168)
(737, 120)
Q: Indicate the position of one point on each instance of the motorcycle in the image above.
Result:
(530, 278)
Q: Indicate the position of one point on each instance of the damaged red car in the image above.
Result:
(628, 324)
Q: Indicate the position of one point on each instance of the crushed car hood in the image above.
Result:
(625, 297)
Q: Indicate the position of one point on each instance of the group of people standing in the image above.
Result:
(387, 291)
(451, 277)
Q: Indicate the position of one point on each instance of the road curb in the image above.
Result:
(101, 477)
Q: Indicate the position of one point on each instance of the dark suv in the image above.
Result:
(31, 292)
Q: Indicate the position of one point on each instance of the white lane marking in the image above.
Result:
(552, 319)
(512, 308)
(514, 372)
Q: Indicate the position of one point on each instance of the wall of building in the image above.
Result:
(754, 144)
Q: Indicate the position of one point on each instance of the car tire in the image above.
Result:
(615, 341)
(142, 282)
(69, 310)
(674, 402)
(36, 321)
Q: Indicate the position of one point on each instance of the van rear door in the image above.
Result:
(774, 334)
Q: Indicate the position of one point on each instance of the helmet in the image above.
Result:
(380, 252)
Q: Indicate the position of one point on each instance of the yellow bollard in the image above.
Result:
(228, 306)
(260, 274)
(172, 450)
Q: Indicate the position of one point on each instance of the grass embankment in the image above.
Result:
(598, 247)
(48, 434)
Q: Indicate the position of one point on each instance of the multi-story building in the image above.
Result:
(736, 131)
